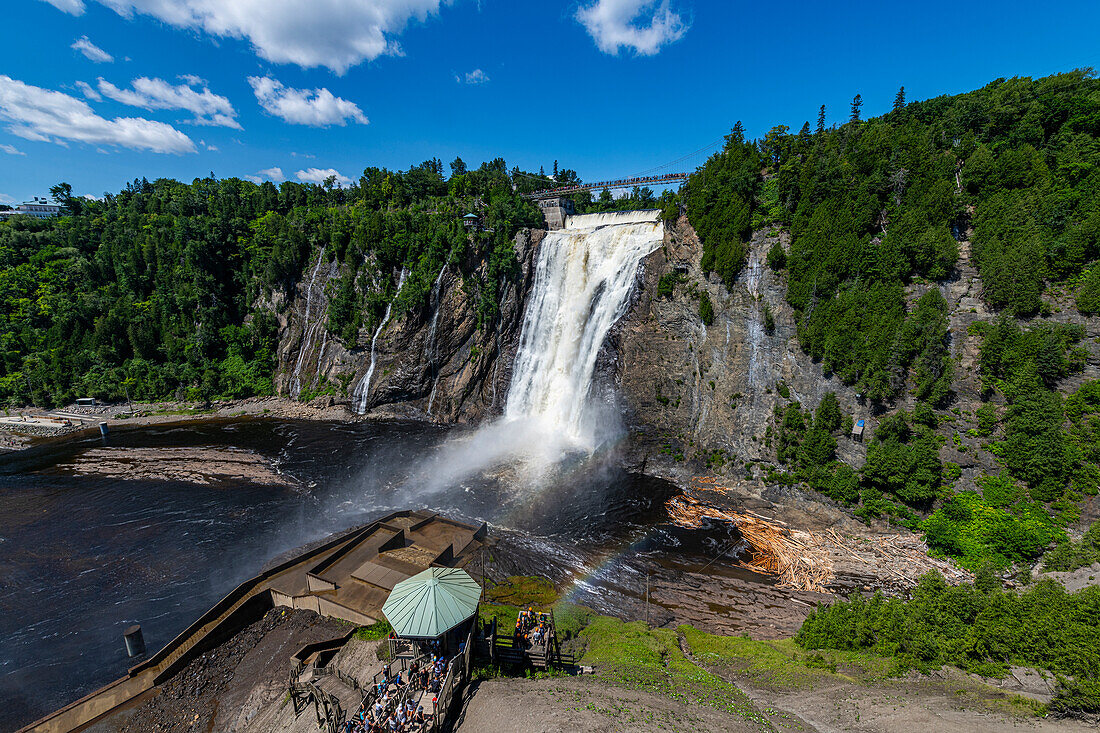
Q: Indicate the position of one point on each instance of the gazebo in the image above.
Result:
(432, 603)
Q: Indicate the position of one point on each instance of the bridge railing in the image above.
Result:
(599, 185)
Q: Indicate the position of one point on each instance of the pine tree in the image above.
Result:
(821, 120)
(899, 100)
(857, 102)
(555, 169)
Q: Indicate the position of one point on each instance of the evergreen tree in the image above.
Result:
(821, 120)
(899, 100)
(857, 103)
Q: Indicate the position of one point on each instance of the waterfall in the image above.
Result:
(362, 391)
(583, 279)
(307, 332)
(429, 352)
(584, 275)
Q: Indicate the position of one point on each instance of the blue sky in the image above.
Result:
(98, 92)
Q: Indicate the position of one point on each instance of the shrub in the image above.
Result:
(777, 257)
(976, 532)
(1069, 555)
(706, 309)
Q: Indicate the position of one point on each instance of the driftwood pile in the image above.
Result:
(795, 556)
(813, 560)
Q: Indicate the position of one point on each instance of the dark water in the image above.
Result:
(85, 556)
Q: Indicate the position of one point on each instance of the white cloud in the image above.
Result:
(313, 107)
(477, 76)
(207, 146)
(208, 108)
(11, 150)
(272, 174)
(48, 116)
(641, 25)
(302, 155)
(318, 175)
(337, 34)
(72, 7)
(91, 197)
(88, 91)
(6, 199)
(91, 51)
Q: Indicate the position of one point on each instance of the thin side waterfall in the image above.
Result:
(430, 349)
(362, 391)
(307, 332)
(584, 275)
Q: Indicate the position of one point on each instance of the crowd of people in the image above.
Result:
(391, 706)
(532, 628)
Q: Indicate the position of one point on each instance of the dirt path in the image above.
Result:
(585, 703)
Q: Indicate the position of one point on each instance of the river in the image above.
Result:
(85, 556)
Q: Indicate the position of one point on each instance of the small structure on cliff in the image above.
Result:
(857, 430)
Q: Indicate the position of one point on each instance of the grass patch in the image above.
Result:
(633, 656)
(781, 663)
(523, 591)
(374, 632)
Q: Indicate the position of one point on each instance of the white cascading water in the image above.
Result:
(429, 353)
(584, 275)
(307, 332)
(583, 279)
(362, 391)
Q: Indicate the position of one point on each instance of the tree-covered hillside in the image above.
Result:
(876, 210)
(165, 289)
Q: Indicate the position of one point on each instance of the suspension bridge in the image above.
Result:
(675, 171)
(662, 180)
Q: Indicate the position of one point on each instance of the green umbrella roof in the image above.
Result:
(431, 603)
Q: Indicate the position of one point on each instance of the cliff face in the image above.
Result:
(689, 392)
(440, 349)
(694, 392)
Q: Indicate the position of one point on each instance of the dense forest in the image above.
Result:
(876, 209)
(169, 290)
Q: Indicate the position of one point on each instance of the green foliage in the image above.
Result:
(706, 309)
(987, 419)
(828, 416)
(639, 658)
(666, 286)
(720, 198)
(990, 529)
(1025, 366)
(777, 257)
(1088, 294)
(875, 203)
(976, 627)
(1070, 555)
(160, 290)
(903, 460)
(374, 632)
(805, 441)
(769, 318)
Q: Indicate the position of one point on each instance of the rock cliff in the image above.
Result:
(698, 394)
(437, 357)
